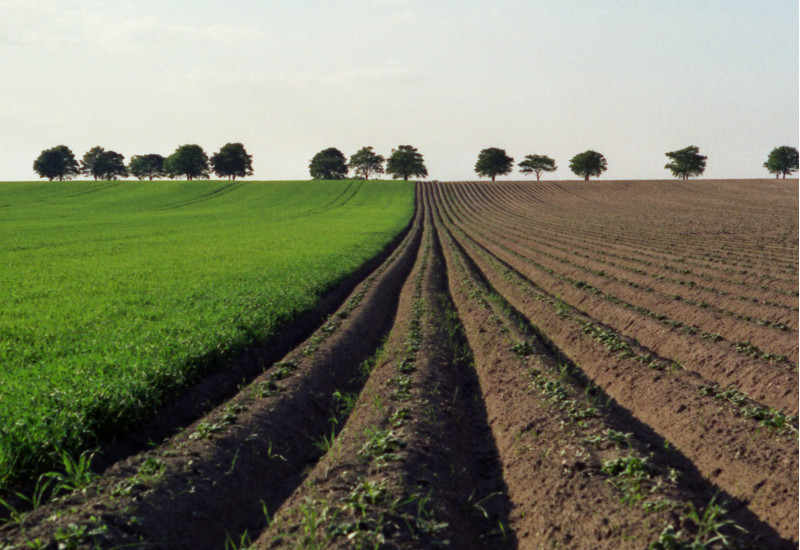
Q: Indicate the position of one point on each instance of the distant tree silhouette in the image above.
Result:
(686, 163)
(589, 163)
(232, 161)
(537, 164)
(328, 164)
(366, 162)
(147, 166)
(405, 162)
(187, 160)
(782, 160)
(493, 162)
(56, 163)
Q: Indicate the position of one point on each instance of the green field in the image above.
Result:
(115, 294)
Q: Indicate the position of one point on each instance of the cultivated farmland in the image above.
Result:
(117, 295)
(566, 365)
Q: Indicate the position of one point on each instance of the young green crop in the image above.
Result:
(117, 294)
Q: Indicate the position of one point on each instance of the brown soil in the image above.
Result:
(473, 391)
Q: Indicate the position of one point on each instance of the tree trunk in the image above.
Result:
(586, 178)
(492, 177)
(405, 177)
(537, 176)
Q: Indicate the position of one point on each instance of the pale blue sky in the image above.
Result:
(631, 79)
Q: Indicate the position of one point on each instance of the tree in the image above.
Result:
(328, 164)
(366, 162)
(231, 161)
(686, 163)
(404, 162)
(537, 164)
(89, 160)
(103, 165)
(589, 163)
(147, 166)
(493, 162)
(56, 163)
(112, 166)
(782, 160)
(187, 160)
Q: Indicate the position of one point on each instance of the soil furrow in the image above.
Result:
(769, 384)
(560, 233)
(634, 221)
(728, 330)
(547, 244)
(561, 221)
(591, 417)
(730, 451)
(414, 465)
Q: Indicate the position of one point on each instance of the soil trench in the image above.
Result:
(417, 440)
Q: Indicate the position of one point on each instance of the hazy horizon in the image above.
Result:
(629, 79)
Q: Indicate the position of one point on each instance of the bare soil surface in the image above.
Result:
(514, 372)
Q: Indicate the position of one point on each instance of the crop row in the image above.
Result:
(510, 275)
(472, 392)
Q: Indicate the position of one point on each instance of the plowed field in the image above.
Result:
(554, 365)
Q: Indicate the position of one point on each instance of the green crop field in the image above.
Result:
(116, 294)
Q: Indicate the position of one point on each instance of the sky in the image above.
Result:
(631, 79)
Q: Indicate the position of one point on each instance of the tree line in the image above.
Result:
(405, 162)
(684, 163)
(189, 161)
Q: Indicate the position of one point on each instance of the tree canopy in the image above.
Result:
(589, 163)
(103, 165)
(405, 162)
(366, 162)
(187, 160)
(537, 164)
(782, 160)
(56, 163)
(147, 166)
(493, 162)
(111, 165)
(328, 164)
(686, 163)
(232, 161)
(90, 160)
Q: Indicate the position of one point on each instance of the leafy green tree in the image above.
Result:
(56, 163)
(493, 162)
(589, 163)
(103, 165)
(89, 161)
(686, 163)
(366, 162)
(232, 161)
(329, 164)
(536, 164)
(405, 162)
(110, 165)
(147, 166)
(782, 160)
(187, 160)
